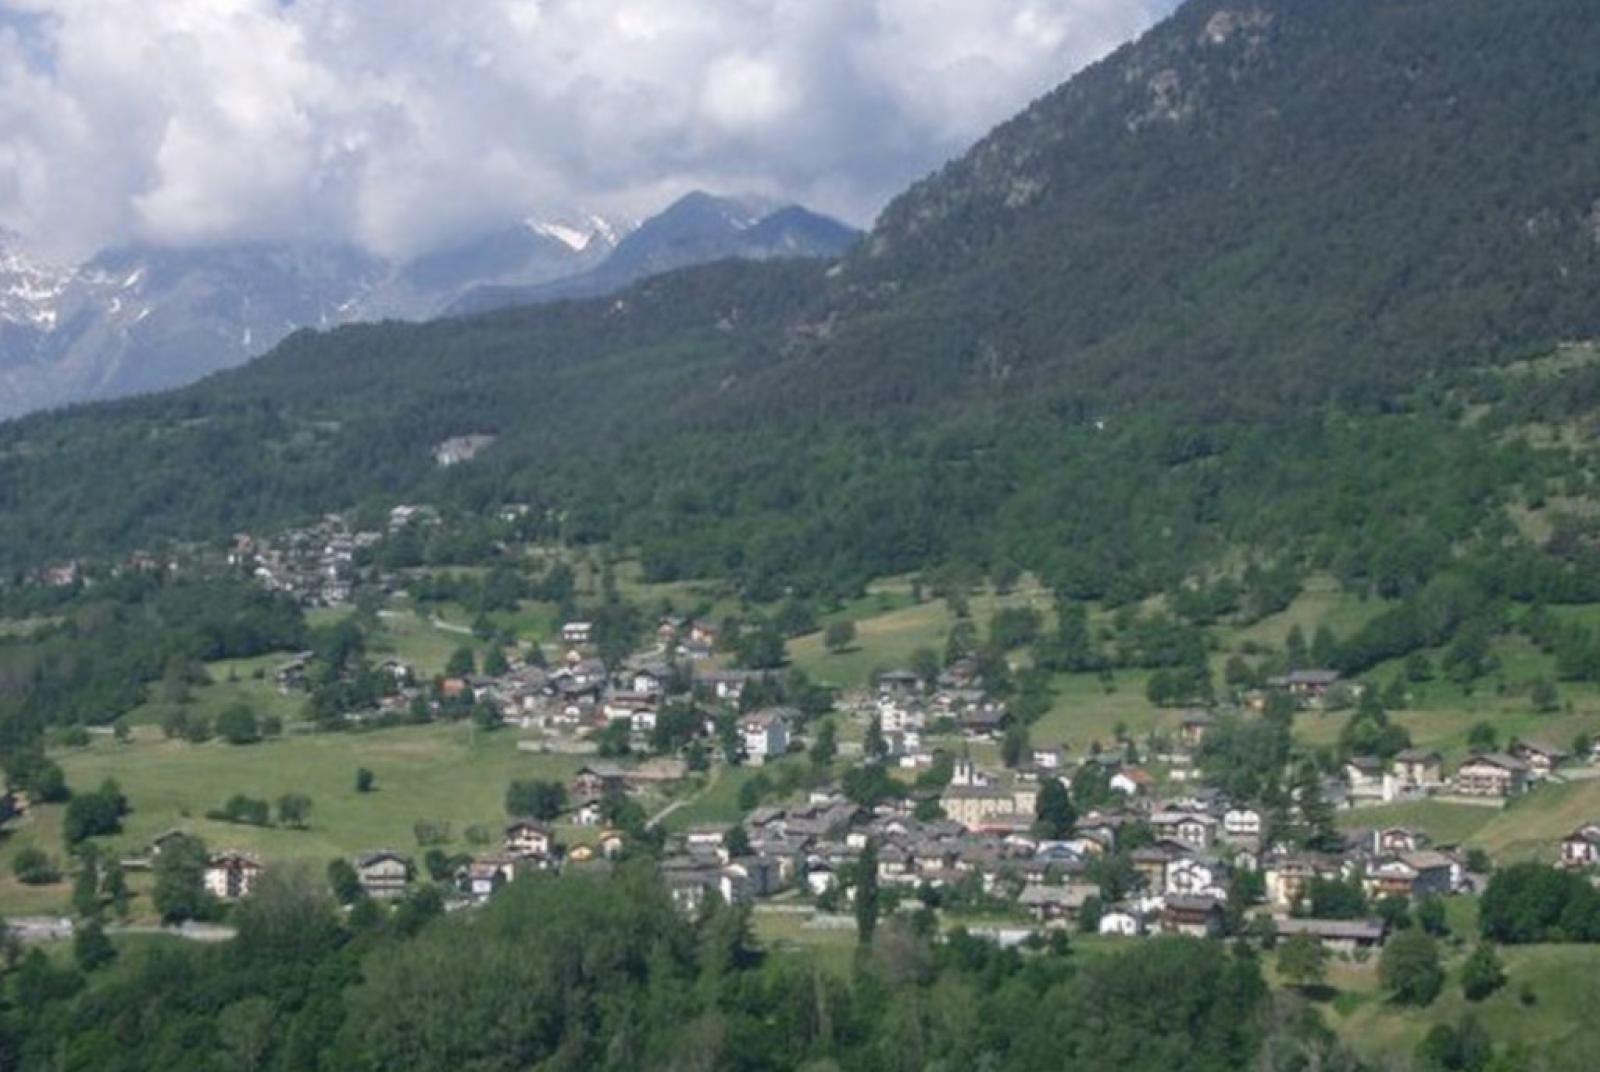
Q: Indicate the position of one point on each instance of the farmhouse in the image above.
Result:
(1410, 875)
(1195, 917)
(1492, 775)
(230, 876)
(1542, 760)
(384, 874)
(1416, 769)
(527, 838)
(482, 877)
(765, 735)
(1194, 727)
(1307, 686)
(1581, 848)
(1338, 935)
(1056, 902)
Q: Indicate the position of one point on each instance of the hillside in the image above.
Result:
(1223, 291)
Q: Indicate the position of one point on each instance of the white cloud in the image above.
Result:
(402, 124)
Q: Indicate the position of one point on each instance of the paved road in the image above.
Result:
(39, 929)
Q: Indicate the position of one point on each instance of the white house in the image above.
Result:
(1121, 922)
(1242, 823)
(765, 735)
(527, 838)
(230, 876)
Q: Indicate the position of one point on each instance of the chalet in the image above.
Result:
(1133, 782)
(1364, 776)
(577, 633)
(1288, 878)
(902, 683)
(1152, 861)
(1047, 759)
(1409, 875)
(1581, 848)
(1242, 822)
(1416, 769)
(597, 781)
(528, 838)
(589, 814)
(611, 843)
(481, 878)
(638, 711)
(1122, 921)
(384, 874)
(1197, 876)
(706, 838)
(648, 681)
(1492, 774)
(1056, 902)
(231, 876)
(1196, 917)
(704, 634)
(1194, 727)
(1542, 760)
(765, 735)
(964, 673)
(1338, 935)
(1398, 839)
(1308, 686)
(725, 686)
(987, 722)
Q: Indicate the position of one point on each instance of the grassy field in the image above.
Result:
(440, 774)
(1085, 711)
(886, 641)
(718, 803)
(1322, 602)
(1532, 828)
(1448, 824)
(233, 681)
(1565, 981)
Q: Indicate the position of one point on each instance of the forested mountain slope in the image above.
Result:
(1217, 292)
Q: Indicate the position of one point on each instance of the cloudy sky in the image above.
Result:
(404, 124)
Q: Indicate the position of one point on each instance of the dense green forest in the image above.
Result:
(597, 973)
(1221, 291)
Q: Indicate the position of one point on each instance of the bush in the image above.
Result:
(96, 814)
(33, 868)
(1482, 974)
(1410, 970)
(244, 810)
(1532, 902)
(238, 725)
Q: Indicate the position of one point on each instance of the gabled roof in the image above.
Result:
(1496, 759)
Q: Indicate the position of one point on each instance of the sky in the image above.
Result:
(405, 125)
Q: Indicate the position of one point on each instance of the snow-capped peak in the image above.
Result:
(581, 233)
(30, 290)
(571, 237)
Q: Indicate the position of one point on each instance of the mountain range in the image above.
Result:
(1248, 290)
(136, 320)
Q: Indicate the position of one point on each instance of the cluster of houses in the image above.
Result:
(527, 848)
(315, 564)
(908, 711)
(1415, 773)
(1188, 851)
